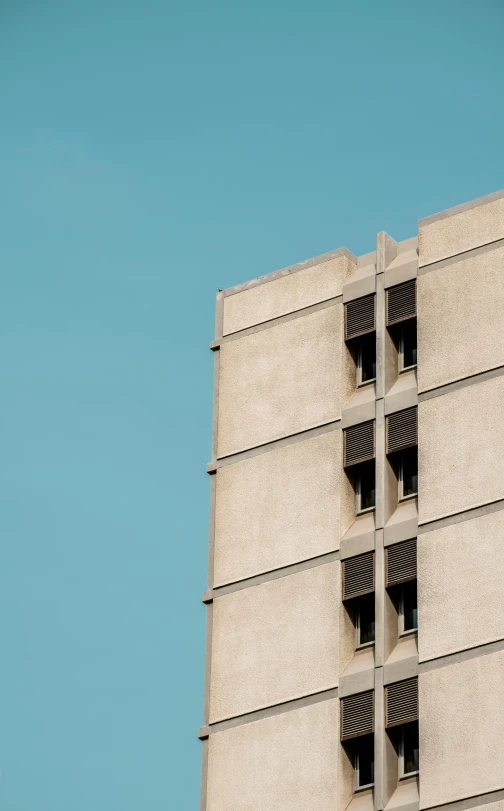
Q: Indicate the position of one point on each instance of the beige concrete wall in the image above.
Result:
(460, 441)
(461, 232)
(461, 586)
(460, 316)
(280, 381)
(461, 730)
(275, 642)
(278, 508)
(286, 294)
(285, 763)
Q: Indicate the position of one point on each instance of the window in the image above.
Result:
(365, 620)
(364, 761)
(408, 345)
(408, 474)
(366, 359)
(408, 608)
(365, 487)
(409, 750)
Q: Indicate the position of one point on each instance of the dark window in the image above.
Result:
(366, 359)
(364, 761)
(409, 473)
(409, 606)
(365, 486)
(365, 619)
(408, 344)
(410, 749)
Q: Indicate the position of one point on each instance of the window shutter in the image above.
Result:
(401, 562)
(402, 430)
(358, 575)
(401, 302)
(401, 702)
(357, 715)
(360, 316)
(359, 441)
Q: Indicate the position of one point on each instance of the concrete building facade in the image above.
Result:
(355, 621)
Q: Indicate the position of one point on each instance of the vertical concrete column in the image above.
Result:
(386, 252)
(379, 741)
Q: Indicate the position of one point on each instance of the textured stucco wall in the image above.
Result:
(280, 380)
(285, 763)
(463, 231)
(275, 642)
(461, 586)
(460, 315)
(278, 508)
(461, 730)
(460, 441)
(286, 294)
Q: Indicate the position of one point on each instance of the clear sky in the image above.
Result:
(150, 152)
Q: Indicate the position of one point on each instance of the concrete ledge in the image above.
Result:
(465, 515)
(281, 319)
(275, 574)
(470, 802)
(461, 656)
(455, 385)
(364, 286)
(357, 682)
(271, 446)
(364, 412)
(450, 212)
(400, 670)
(267, 712)
(277, 274)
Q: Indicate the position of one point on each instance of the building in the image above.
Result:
(343, 474)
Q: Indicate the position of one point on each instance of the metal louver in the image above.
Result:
(359, 442)
(401, 302)
(357, 715)
(401, 702)
(358, 575)
(401, 562)
(402, 430)
(360, 316)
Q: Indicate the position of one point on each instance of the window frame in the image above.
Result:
(358, 494)
(402, 367)
(402, 631)
(360, 382)
(402, 774)
(400, 482)
(358, 787)
(358, 644)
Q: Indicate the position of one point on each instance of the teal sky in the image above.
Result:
(149, 153)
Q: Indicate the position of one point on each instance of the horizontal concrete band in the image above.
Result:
(461, 656)
(469, 802)
(277, 274)
(267, 712)
(471, 380)
(274, 574)
(450, 212)
(459, 257)
(257, 450)
(465, 515)
(273, 322)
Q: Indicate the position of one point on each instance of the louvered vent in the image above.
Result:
(401, 562)
(360, 316)
(401, 702)
(401, 302)
(359, 443)
(402, 430)
(357, 715)
(358, 575)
